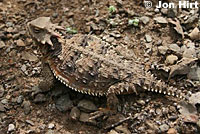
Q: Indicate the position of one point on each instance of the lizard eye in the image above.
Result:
(36, 30)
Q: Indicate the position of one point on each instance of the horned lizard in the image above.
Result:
(89, 65)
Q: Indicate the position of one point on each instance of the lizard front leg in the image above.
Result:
(47, 78)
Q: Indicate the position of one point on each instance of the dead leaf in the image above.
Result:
(182, 67)
(177, 27)
(188, 112)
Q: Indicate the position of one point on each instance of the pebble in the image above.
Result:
(55, 15)
(141, 102)
(191, 45)
(198, 123)
(164, 11)
(172, 12)
(161, 20)
(112, 132)
(9, 24)
(39, 98)
(2, 44)
(50, 132)
(20, 43)
(27, 107)
(144, 19)
(189, 53)
(175, 48)
(75, 113)
(122, 129)
(84, 117)
(30, 122)
(172, 131)
(163, 49)
(163, 128)
(64, 103)
(29, 56)
(2, 107)
(11, 127)
(171, 59)
(4, 101)
(148, 38)
(158, 111)
(110, 39)
(20, 99)
(1, 91)
(194, 74)
(51, 126)
(87, 106)
(156, 10)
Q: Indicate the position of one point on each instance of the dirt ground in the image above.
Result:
(22, 111)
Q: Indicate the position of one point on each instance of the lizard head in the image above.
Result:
(41, 29)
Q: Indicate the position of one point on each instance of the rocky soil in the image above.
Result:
(167, 40)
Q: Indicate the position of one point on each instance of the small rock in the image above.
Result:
(20, 43)
(30, 122)
(164, 11)
(29, 56)
(50, 132)
(156, 10)
(175, 48)
(172, 12)
(141, 102)
(191, 45)
(30, 131)
(112, 132)
(162, 49)
(39, 98)
(55, 15)
(172, 131)
(195, 34)
(194, 73)
(110, 39)
(115, 34)
(189, 53)
(171, 59)
(158, 111)
(2, 107)
(163, 128)
(9, 24)
(10, 30)
(183, 48)
(1, 91)
(64, 103)
(51, 126)
(2, 44)
(20, 99)
(87, 106)
(27, 107)
(75, 113)
(144, 19)
(84, 117)
(4, 101)
(122, 129)
(198, 123)
(161, 20)
(23, 68)
(148, 38)
(11, 127)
